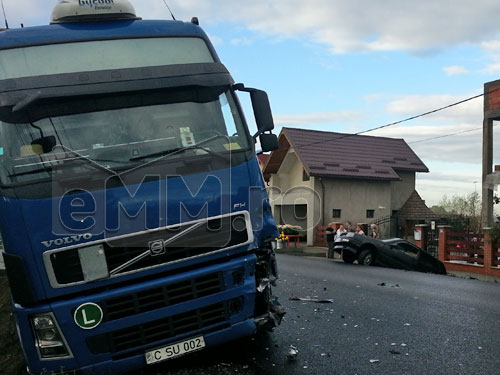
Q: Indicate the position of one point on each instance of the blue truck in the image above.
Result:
(134, 215)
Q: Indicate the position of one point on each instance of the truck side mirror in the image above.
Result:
(262, 111)
(268, 142)
(261, 108)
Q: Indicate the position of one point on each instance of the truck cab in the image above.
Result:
(135, 218)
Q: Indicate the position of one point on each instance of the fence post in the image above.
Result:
(488, 249)
(422, 241)
(444, 233)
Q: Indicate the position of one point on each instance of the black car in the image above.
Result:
(393, 253)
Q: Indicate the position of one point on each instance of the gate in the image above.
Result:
(432, 242)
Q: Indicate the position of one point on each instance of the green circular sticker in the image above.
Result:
(88, 316)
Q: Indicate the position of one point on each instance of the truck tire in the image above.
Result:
(366, 257)
(348, 257)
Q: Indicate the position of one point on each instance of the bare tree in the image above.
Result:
(466, 206)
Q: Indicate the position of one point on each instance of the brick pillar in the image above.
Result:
(488, 249)
(444, 233)
(422, 242)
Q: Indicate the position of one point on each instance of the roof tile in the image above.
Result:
(346, 155)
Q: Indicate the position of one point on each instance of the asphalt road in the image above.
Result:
(411, 324)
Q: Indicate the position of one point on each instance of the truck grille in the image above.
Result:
(213, 235)
(135, 252)
(157, 298)
(158, 330)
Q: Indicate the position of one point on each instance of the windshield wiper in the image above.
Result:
(91, 161)
(182, 149)
(33, 171)
(60, 162)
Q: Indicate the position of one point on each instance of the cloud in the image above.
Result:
(308, 119)
(242, 41)
(455, 70)
(356, 25)
(464, 148)
(343, 26)
(434, 130)
(411, 105)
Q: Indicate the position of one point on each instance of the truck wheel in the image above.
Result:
(348, 257)
(366, 258)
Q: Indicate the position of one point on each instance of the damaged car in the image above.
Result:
(392, 253)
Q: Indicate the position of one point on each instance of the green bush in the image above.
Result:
(289, 229)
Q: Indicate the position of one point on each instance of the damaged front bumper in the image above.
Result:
(269, 312)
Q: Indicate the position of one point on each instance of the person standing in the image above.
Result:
(340, 231)
(374, 233)
(348, 226)
(359, 230)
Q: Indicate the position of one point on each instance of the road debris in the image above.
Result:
(389, 285)
(292, 354)
(308, 299)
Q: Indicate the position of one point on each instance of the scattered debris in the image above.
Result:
(307, 299)
(292, 354)
(374, 361)
(264, 283)
(389, 285)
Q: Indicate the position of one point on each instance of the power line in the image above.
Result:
(448, 135)
(405, 120)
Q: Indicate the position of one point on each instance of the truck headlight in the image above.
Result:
(48, 337)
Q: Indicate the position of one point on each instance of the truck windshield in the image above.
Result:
(68, 137)
(101, 55)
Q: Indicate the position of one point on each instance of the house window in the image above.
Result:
(370, 214)
(305, 176)
(336, 213)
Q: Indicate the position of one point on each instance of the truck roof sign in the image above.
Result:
(92, 10)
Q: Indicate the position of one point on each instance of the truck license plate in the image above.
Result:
(175, 350)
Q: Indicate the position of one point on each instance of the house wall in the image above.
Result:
(353, 197)
(287, 190)
(401, 190)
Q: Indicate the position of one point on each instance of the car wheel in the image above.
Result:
(366, 258)
(348, 257)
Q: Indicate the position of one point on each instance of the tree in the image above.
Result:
(466, 207)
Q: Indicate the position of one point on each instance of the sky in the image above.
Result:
(354, 65)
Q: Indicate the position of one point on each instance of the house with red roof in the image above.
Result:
(318, 177)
